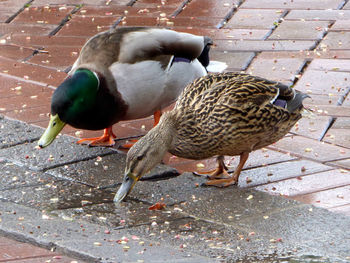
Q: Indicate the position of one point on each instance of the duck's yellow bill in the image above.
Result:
(54, 128)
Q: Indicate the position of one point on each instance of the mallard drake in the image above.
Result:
(123, 74)
(217, 115)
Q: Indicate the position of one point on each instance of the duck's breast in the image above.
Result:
(146, 86)
(141, 86)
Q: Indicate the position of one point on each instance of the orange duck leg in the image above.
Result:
(107, 139)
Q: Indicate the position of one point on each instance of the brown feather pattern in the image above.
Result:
(228, 114)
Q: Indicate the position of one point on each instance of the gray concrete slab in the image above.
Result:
(51, 197)
(16, 132)
(14, 176)
(62, 151)
(85, 240)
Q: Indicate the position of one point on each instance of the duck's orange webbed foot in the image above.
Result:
(219, 173)
(107, 139)
(231, 180)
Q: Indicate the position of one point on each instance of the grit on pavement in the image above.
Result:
(292, 203)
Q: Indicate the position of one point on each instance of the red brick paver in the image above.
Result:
(18, 252)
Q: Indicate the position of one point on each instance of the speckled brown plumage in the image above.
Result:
(217, 115)
(230, 113)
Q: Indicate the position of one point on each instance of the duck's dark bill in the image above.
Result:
(128, 183)
(52, 130)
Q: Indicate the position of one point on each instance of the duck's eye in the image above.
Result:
(140, 157)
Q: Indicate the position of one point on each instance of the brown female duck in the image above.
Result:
(217, 115)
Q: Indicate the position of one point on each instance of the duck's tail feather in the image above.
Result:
(297, 101)
(216, 66)
(204, 56)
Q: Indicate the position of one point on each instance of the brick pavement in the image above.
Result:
(304, 43)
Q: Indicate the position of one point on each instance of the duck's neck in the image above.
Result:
(163, 133)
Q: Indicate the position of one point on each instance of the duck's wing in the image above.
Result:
(134, 44)
(237, 103)
(239, 88)
(151, 42)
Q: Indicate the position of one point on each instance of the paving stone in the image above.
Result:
(258, 158)
(43, 15)
(341, 25)
(22, 252)
(17, 177)
(303, 30)
(206, 8)
(15, 52)
(346, 6)
(236, 61)
(26, 29)
(330, 64)
(31, 115)
(270, 174)
(345, 163)
(5, 15)
(79, 2)
(282, 70)
(170, 22)
(15, 132)
(322, 82)
(323, 53)
(337, 40)
(254, 19)
(344, 209)
(267, 45)
(311, 149)
(56, 57)
(56, 194)
(225, 33)
(327, 199)
(20, 102)
(318, 15)
(127, 215)
(338, 136)
(94, 11)
(91, 25)
(294, 218)
(97, 172)
(311, 127)
(62, 151)
(158, 3)
(35, 41)
(221, 242)
(87, 240)
(334, 111)
(31, 72)
(10, 87)
(341, 123)
(306, 184)
(295, 4)
(12, 6)
(322, 100)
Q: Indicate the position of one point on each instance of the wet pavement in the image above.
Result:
(58, 197)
